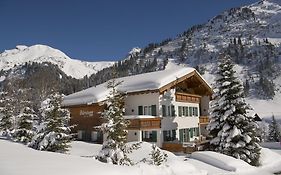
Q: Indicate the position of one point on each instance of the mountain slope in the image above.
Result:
(251, 35)
(42, 53)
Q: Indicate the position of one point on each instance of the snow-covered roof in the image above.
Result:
(139, 116)
(135, 83)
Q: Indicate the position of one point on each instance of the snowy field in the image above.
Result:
(17, 159)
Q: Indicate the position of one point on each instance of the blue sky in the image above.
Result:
(101, 30)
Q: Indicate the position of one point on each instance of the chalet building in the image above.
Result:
(168, 106)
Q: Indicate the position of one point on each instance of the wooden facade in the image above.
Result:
(85, 117)
(190, 98)
(203, 120)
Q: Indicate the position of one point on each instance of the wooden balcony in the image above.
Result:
(186, 148)
(190, 98)
(203, 120)
(144, 123)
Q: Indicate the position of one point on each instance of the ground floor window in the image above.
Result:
(149, 136)
(97, 136)
(187, 134)
(90, 136)
(169, 135)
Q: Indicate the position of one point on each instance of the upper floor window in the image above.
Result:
(147, 110)
(187, 111)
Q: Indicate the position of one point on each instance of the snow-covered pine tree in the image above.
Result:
(6, 115)
(157, 157)
(114, 149)
(54, 133)
(24, 131)
(274, 131)
(232, 129)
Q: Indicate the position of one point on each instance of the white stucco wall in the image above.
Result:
(134, 135)
(167, 123)
(133, 101)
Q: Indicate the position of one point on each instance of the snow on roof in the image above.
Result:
(135, 83)
(139, 116)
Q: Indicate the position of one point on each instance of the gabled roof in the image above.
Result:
(130, 84)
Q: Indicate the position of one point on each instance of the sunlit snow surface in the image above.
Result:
(17, 159)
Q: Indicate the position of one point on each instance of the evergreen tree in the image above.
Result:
(24, 132)
(274, 131)
(114, 149)
(157, 157)
(232, 129)
(54, 133)
(6, 115)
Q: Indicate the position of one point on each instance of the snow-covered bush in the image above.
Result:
(234, 132)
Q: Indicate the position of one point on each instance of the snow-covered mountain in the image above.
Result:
(251, 35)
(42, 53)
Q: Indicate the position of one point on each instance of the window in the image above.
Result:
(149, 136)
(190, 111)
(184, 135)
(147, 110)
(81, 133)
(183, 111)
(169, 135)
(94, 136)
(194, 111)
(164, 111)
(186, 111)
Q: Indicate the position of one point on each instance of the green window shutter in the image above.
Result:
(164, 111)
(181, 135)
(154, 136)
(153, 110)
(179, 111)
(140, 110)
(173, 110)
(190, 111)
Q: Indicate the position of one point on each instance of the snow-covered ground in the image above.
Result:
(17, 159)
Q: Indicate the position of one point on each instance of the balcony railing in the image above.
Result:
(144, 123)
(203, 119)
(184, 97)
